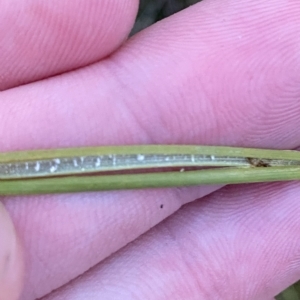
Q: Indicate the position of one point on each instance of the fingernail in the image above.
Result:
(11, 265)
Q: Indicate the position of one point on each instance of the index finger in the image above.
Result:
(172, 83)
(52, 37)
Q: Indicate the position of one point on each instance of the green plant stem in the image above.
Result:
(152, 149)
(149, 149)
(148, 180)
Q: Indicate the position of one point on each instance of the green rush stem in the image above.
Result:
(151, 149)
(149, 180)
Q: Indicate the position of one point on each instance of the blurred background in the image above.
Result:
(151, 11)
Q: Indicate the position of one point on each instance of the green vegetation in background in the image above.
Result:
(291, 293)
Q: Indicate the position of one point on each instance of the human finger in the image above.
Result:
(52, 37)
(11, 260)
(195, 104)
(238, 243)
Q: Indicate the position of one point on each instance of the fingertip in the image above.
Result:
(53, 37)
(11, 262)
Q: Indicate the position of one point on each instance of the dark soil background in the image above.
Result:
(151, 11)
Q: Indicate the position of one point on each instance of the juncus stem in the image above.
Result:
(60, 170)
(150, 180)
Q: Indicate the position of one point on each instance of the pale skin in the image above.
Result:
(219, 73)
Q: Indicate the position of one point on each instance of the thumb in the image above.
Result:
(11, 262)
